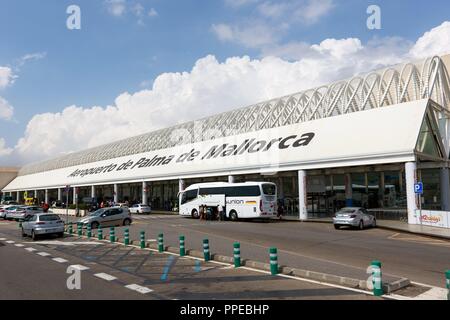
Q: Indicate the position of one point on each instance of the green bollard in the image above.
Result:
(273, 261)
(126, 237)
(161, 242)
(70, 228)
(142, 239)
(79, 229)
(237, 254)
(89, 231)
(100, 233)
(206, 249)
(112, 235)
(376, 278)
(447, 280)
(182, 247)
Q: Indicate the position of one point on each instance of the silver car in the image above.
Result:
(14, 212)
(107, 217)
(42, 224)
(20, 213)
(354, 217)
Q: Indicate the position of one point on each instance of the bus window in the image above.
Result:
(188, 196)
(211, 190)
(269, 189)
(244, 191)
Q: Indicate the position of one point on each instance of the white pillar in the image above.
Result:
(303, 212)
(181, 185)
(381, 187)
(116, 193)
(92, 191)
(144, 193)
(411, 179)
(46, 196)
(231, 179)
(75, 195)
(18, 196)
(35, 194)
(348, 190)
(445, 189)
(59, 194)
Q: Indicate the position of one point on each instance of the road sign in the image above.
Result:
(418, 188)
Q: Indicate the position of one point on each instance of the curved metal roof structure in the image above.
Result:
(393, 85)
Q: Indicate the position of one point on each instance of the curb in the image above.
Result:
(301, 273)
(435, 236)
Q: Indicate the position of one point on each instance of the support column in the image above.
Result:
(231, 179)
(116, 193)
(302, 195)
(381, 188)
(445, 189)
(411, 179)
(18, 196)
(92, 191)
(144, 193)
(348, 190)
(280, 188)
(75, 195)
(59, 194)
(181, 185)
(35, 194)
(46, 196)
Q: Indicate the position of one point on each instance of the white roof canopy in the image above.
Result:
(376, 136)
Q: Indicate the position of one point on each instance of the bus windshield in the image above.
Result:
(269, 189)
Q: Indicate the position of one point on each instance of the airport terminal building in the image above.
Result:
(364, 141)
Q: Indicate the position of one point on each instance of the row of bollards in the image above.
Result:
(273, 254)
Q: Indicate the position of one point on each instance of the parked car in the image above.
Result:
(22, 212)
(42, 224)
(10, 212)
(354, 217)
(140, 208)
(107, 217)
(3, 210)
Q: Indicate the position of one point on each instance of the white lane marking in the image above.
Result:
(105, 276)
(43, 254)
(61, 243)
(10, 241)
(60, 260)
(2, 239)
(79, 267)
(434, 293)
(30, 249)
(138, 288)
(19, 245)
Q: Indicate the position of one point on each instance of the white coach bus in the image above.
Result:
(240, 200)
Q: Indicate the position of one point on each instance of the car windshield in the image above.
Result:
(97, 213)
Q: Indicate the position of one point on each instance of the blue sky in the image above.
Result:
(127, 49)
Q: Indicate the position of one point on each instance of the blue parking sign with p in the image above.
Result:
(418, 188)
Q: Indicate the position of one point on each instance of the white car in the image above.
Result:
(140, 208)
(3, 209)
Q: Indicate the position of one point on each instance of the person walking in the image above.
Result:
(220, 212)
(280, 210)
(201, 211)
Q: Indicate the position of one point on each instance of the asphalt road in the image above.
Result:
(311, 246)
(29, 275)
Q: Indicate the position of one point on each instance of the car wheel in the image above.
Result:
(195, 214)
(337, 227)
(361, 225)
(126, 222)
(61, 235)
(33, 236)
(233, 216)
(374, 223)
(94, 225)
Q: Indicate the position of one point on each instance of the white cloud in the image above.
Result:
(6, 110)
(212, 87)
(253, 35)
(6, 77)
(314, 10)
(436, 40)
(152, 12)
(116, 8)
(4, 150)
(239, 3)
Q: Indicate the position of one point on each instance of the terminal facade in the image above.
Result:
(359, 142)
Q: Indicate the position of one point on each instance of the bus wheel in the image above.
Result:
(233, 216)
(195, 214)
